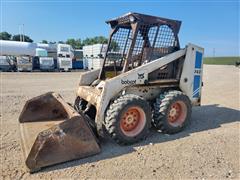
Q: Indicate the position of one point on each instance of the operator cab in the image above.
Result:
(136, 39)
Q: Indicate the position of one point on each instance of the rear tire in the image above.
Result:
(172, 112)
(128, 119)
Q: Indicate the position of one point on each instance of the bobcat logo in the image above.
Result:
(128, 81)
(141, 76)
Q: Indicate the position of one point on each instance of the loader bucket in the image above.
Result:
(53, 132)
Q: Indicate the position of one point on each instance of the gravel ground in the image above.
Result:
(207, 149)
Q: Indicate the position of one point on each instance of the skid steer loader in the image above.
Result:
(146, 80)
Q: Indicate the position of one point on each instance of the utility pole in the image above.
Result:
(19, 31)
(23, 34)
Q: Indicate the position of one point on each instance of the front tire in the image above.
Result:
(128, 119)
(172, 112)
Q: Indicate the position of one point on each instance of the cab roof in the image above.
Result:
(124, 21)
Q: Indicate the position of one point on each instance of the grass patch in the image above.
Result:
(221, 60)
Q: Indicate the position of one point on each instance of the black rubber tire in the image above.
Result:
(162, 108)
(115, 112)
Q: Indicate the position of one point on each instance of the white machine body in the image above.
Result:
(190, 81)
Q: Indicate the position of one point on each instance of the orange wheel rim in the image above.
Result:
(132, 121)
(177, 113)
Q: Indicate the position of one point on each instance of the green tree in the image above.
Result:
(87, 41)
(75, 43)
(5, 36)
(61, 42)
(44, 41)
(101, 39)
(26, 38)
(95, 40)
(71, 42)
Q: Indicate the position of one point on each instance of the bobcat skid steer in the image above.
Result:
(146, 80)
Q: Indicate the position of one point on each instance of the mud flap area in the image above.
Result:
(53, 132)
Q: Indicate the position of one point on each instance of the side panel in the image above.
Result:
(196, 86)
(191, 78)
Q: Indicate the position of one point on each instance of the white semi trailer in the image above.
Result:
(24, 63)
(45, 63)
(16, 48)
(7, 63)
(62, 53)
(26, 50)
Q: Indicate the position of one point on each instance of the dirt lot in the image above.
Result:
(208, 149)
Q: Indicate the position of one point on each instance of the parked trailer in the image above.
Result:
(96, 50)
(77, 61)
(23, 50)
(46, 63)
(64, 57)
(93, 56)
(85, 63)
(15, 48)
(94, 63)
(78, 54)
(24, 63)
(77, 64)
(35, 63)
(64, 64)
(4, 63)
